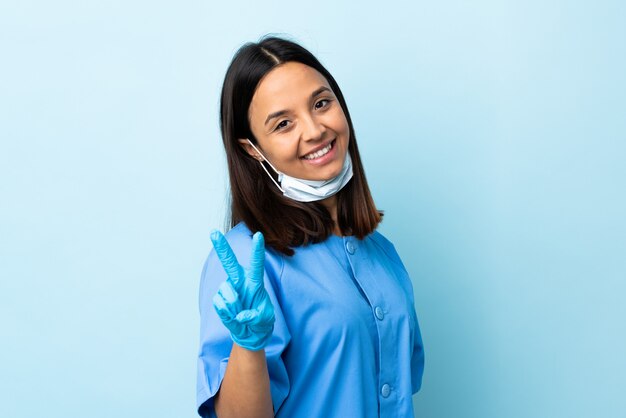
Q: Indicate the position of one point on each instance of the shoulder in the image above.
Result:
(383, 242)
(239, 237)
(380, 239)
(386, 246)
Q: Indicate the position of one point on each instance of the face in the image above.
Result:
(298, 122)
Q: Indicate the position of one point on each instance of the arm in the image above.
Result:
(245, 308)
(245, 390)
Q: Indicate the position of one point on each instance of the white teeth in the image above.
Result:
(319, 153)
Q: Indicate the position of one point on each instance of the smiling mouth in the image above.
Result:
(320, 153)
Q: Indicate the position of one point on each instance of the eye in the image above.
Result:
(280, 125)
(321, 101)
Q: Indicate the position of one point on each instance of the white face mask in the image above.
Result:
(309, 190)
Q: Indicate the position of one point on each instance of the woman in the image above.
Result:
(306, 310)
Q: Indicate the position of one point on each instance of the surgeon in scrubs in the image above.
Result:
(306, 310)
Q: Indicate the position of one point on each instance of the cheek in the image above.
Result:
(284, 147)
(343, 129)
(342, 122)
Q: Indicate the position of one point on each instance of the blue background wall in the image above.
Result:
(493, 135)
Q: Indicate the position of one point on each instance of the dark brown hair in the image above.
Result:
(255, 199)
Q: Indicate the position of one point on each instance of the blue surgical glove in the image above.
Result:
(242, 303)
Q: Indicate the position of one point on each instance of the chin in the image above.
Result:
(331, 172)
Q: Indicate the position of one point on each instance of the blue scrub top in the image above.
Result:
(346, 340)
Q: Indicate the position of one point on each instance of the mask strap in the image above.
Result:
(262, 165)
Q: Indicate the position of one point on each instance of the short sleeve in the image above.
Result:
(215, 340)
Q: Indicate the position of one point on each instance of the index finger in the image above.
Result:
(226, 255)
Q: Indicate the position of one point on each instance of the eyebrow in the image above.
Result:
(282, 112)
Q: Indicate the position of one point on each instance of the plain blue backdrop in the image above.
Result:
(493, 136)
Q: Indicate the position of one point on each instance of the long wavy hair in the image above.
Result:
(254, 198)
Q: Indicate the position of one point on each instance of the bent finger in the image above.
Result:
(230, 296)
(221, 307)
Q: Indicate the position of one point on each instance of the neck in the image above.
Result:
(331, 205)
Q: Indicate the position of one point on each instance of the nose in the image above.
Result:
(312, 129)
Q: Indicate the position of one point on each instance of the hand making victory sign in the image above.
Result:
(241, 301)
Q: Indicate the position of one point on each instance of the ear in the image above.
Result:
(250, 149)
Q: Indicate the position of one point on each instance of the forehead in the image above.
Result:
(284, 86)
